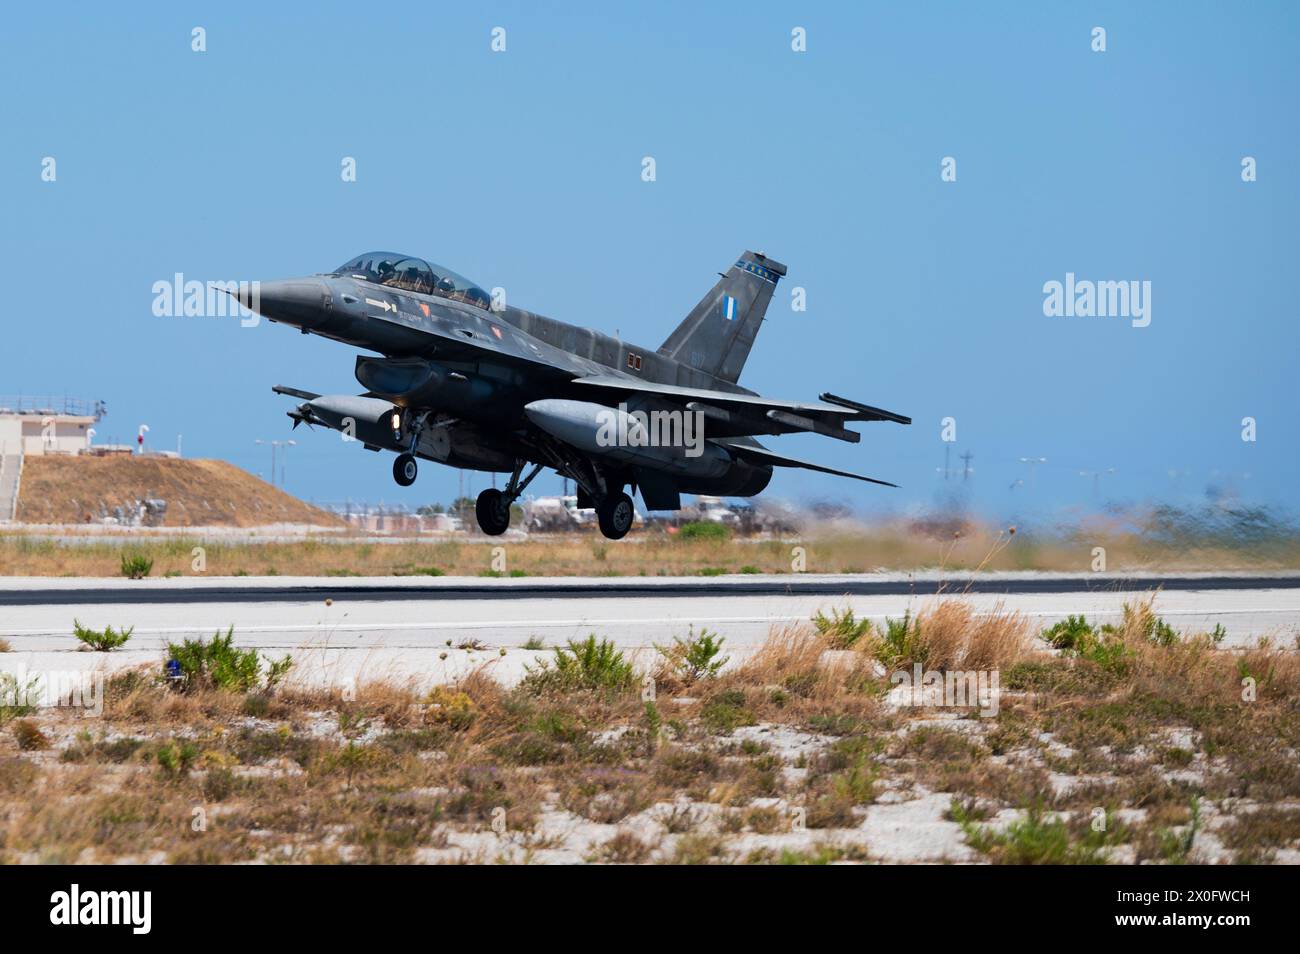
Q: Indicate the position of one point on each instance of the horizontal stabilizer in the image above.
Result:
(865, 412)
(295, 392)
(758, 454)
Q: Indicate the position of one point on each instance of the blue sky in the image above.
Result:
(522, 169)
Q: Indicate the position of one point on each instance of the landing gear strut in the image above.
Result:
(492, 508)
(405, 468)
(615, 512)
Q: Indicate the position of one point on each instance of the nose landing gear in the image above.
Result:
(405, 469)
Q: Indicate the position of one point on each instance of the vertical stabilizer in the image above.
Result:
(718, 333)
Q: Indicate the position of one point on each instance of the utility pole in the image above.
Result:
(1033, 463)
(284, 459)
(272, 443)
(966, 457)
(276, 444)
(1096, 476)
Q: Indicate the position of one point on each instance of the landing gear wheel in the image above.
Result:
(405, 469)
(615, 516)
(492, 510)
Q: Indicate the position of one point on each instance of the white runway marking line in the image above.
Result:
(569, 623)
(371, 627)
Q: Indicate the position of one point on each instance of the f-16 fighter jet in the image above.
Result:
(456, 376)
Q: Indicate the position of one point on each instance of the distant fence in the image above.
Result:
(362, 508)
(386, 518)
(38, 404)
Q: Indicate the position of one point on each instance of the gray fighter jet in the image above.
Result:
(458, 377)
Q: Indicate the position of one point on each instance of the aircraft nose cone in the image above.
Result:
(294, 301)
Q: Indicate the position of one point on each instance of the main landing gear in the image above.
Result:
(492, 508)
(615, 512)
(615, 515)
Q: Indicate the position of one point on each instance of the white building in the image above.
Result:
(37, 426)
(47, 425)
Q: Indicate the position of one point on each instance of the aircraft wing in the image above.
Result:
(739, 414)
(758, 454)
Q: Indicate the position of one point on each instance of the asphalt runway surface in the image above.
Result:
(436, 628)
(45, 591)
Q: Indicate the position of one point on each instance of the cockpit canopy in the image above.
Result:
(414, 275)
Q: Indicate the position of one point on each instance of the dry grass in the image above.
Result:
(477, 772)
(650, 552)
(950, 634)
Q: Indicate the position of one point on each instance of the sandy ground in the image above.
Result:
(436, 640)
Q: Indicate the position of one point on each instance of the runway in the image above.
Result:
(402, 627)
(40, 591)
